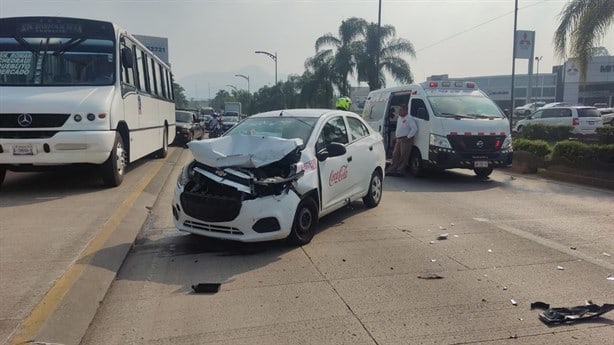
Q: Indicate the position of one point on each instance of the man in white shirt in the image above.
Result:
(407, 127)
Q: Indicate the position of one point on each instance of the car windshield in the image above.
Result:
(464, 106)
(182, 116)
(277, 127)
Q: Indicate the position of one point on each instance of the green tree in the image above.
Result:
(343, 62)
(181, 102)
(600, 51)
(391, 49)
(583, 24)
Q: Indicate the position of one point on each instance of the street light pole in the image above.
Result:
(538, 59)
(272, 56)
(246, 77)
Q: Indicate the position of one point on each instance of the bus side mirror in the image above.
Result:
(127, 58)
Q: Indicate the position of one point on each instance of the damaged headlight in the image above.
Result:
(184, 177)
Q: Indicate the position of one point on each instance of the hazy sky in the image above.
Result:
(457, 37)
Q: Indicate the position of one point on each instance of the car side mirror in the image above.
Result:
(127, 58)
(331, 150)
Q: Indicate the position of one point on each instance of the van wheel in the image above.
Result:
(374, 195)
(305, 222)
(416, 166)
(113, 169)
(163, 152)
(482, 172)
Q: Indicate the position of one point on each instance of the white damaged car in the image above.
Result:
(275, 174)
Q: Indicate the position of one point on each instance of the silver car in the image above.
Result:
(583, 119)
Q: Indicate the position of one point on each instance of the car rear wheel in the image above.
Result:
(482, 172)
(374, 195)
(112, 170)
(305, 222)
(2, 175)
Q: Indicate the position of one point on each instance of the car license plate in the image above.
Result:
(480, 164)
(23, 150)
(591, 122)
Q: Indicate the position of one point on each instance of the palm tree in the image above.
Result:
(583, 24)
(344, 62)
(390, 61)
(318, 79)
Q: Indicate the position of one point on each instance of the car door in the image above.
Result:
(334, 173)
(363, 157)
(537, 117)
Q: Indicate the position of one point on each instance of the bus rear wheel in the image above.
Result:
(163, 152)
(113, 169)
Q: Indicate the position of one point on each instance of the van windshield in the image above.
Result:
(465, 106)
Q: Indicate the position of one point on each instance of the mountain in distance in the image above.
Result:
(205, 85)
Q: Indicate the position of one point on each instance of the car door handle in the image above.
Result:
(370, 148)
(349, 158)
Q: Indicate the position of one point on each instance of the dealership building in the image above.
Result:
(562, 84)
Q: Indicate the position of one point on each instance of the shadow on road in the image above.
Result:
(441, 181)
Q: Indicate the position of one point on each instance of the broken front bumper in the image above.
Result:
(261, 219)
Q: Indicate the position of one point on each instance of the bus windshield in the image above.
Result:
(464, 106)
(55, 61)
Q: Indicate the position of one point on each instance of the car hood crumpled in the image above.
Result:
(242, 151)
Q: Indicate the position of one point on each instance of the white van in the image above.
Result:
(458, 125)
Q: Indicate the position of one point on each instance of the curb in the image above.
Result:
(577, 179)
(69, 321)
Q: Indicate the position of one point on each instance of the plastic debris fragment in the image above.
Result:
(560, 268)
(206, 287)
(430, 276)
(442, 236)
(514, 301)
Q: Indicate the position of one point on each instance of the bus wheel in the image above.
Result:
(161, 153)
(416, 166)
(113, 169)
(482, 172)
(2, 175)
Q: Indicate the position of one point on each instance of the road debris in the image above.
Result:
(442, 228)
(573, 314)
(430, 276)
(206, 287)
(490, 250)
(560, 268)
(606, 254)
(610, 277)
(514, 301)
(442, 236)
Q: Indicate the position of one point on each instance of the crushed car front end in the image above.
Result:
(228, 197)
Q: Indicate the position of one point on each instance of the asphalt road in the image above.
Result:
(63, 237)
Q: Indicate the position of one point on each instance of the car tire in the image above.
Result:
(305, 222)
(482, 172)
(113, 169)
(374, 194)
(519, 129)
(163, 151)
(416, 166)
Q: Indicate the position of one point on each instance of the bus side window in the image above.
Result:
(418, 109)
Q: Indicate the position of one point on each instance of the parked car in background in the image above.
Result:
(188, 127)
(583, 119)
(607, 115)
(229, 120)
(528, 108)
(275, 174)
(556, 104)
(204, 120)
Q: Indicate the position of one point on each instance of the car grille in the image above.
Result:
(476, 144)
(210, 208)
(38, 120)
(212, 228)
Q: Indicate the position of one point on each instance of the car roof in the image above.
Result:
(315, 112)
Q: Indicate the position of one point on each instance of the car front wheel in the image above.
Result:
(305, 222)
(416, 166)
(374, 195)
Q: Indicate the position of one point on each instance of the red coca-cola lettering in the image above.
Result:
(338, 175)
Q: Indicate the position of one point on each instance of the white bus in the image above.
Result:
(80, 91)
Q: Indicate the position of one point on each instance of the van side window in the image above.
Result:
(550, 113)
(537, 114)
(416, 104)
